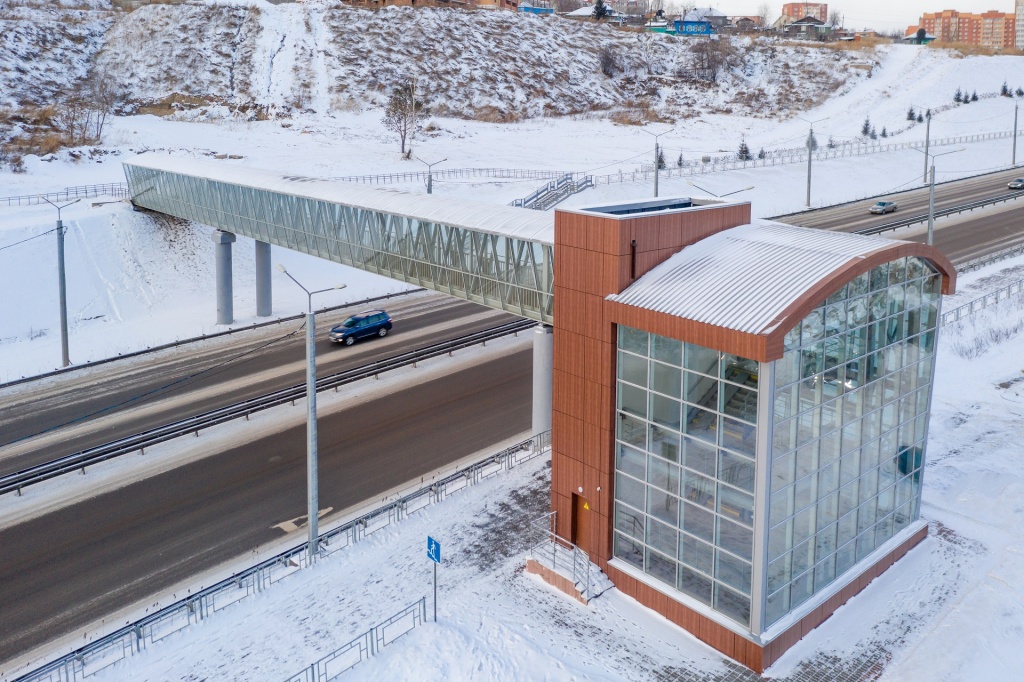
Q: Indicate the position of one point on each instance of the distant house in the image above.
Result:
(710, 15)
(693, 28)
(911, 36)
(536, 7)
(745, 23)
(807, 28)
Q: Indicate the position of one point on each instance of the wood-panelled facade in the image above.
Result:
(598, 255)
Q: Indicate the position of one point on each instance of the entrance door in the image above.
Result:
(581, 523)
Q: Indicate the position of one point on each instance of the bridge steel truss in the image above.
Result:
(499, 271)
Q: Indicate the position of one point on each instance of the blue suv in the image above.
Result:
(366, 323)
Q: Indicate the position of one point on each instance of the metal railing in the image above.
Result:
(982, 302)
(778, 157)
(79, 460)
(131, 639)
(364, 646)
(452, 173)
(553, 192)
(110, 189)
(991, 258)
(560, 555)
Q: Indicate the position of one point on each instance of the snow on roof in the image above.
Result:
(745, 277)
(506, 221)
(702, 14)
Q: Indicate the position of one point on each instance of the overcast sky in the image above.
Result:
(878, 14)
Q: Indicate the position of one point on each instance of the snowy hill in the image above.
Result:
(499, 66)
(47, 45)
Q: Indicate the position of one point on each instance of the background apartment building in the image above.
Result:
(989, 29)
(799, 10)
(1020, 24)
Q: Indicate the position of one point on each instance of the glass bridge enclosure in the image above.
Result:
(510, 271)
(846, 412)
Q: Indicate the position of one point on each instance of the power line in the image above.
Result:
(41, 234)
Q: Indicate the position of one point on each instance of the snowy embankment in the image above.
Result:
(271, 60)
(950, 610)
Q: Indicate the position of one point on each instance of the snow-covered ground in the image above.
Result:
(950, 610)
(135, 282)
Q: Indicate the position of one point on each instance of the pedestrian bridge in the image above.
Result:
(498, 256)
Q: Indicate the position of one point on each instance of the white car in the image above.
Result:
(884, 207)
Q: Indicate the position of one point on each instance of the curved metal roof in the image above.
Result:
(508, 221)
(746, 277)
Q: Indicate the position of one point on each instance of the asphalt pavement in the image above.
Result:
(66, 569)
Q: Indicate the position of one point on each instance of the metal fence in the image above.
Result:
(453, 174)
(982, 302)
(560, 555)
(778, 157)
(116, 646)
(982, 261)
(364, 646)
(111, 189)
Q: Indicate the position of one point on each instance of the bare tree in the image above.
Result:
(73, 119)
(565, 6)
(610, 60)
(765, 14)
(400, 115)
(102, 96)
(710, 57)
(835, 18)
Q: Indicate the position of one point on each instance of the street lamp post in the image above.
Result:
(656, 155)
(430, 172)
(927, 141)
(61, 282)
(931, 193)
(810, 154)
(312, 473)
(1015, 109)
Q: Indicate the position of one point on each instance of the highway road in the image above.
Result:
(42, 421)
(854, 216)
(70, 567)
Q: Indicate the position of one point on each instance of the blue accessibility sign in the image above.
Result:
(433, 550)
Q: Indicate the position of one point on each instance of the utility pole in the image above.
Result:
(657, 165)
(412, 132)
(930, 180)
(810, 154)
(927, 140)
(312, 462)
(931, 205)
(1015, 108)
(430, 172)
(62, 282)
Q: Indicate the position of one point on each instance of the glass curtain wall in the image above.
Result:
(852, 394)
(684, 467)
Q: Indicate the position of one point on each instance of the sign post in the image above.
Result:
(434, 554)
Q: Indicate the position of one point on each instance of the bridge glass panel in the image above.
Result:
(508, 273)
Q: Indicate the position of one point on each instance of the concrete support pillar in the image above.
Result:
(543, 377)
(225, 305)
(264, 297)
